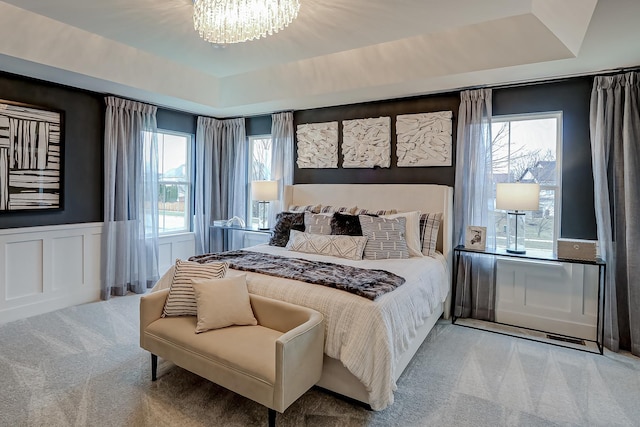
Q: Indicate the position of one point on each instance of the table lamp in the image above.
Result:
(515, 197)
(263, 192)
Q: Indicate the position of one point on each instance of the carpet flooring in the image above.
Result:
(82, 366)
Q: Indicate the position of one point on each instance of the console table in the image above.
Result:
(228, 228)
(505, 328)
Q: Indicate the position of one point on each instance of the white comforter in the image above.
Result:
(366, 336)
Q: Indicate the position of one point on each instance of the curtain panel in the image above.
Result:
(282, 158)
(220, 178)
(130, 252)
(475, 292)
(615, 148)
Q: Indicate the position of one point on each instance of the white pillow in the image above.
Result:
(350, 247)
(412, 232)
(223, 302)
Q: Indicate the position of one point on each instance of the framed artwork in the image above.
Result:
(30, 157)
(317, 145)
(366, 143)
(475, 238)
(424, 139)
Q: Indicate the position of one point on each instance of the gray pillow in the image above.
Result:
(385, 237)
(317, 223)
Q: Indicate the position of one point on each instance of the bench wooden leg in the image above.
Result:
(272, 417)
(154, 367)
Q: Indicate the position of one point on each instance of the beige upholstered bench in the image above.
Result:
(272, 363)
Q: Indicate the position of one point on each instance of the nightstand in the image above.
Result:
(226, 229)
(535, 334)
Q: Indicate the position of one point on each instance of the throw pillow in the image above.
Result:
(303, 208)
(349, 247)
(317, 223)
(412, 232)
(385, 237)
(344, 224)
(375, 212)
(181, 300)
(429, 225)
(285, 222)
(343, 209)
(222, 303)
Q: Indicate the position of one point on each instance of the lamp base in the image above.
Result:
(516, 251)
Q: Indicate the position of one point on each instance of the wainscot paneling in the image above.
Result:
(47, 268)
(175, 246)
(561, 298)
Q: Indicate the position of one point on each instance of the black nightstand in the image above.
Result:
(560, 340)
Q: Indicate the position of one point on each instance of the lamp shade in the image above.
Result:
(518, 196)
(264, 190)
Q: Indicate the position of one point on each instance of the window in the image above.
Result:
(174, 182)
(260, 150)
(527, 148)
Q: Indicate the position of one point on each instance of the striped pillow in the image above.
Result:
(429, 225)
(181, 300)
(300, 208)
(359, 211)
(341, 209)
(317, 223)
(385, 237)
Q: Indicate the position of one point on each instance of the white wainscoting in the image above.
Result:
(561, 298)
(44, 269)
(175, 246)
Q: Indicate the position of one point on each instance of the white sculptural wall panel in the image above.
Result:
(424, 139)
(366, 143)
(317, 145)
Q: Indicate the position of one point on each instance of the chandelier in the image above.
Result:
(235, 21)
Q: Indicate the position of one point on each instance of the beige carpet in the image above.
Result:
(82, 366)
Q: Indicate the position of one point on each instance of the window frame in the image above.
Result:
(557, 188)
(188, 205)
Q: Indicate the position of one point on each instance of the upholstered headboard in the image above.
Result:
(403, 197)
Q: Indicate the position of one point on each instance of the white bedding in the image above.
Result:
(366, 336)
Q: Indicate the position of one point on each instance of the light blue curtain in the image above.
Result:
(281, 159)
(475, 292)
(130, 232)
(615, 148)
(221, 178)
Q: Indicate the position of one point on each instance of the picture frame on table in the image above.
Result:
(476, 238)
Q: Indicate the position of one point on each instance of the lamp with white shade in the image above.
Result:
(263, 192)
(515, 197)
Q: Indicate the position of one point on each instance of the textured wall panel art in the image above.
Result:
(30, 149)
(366, 143)
(424, 139)
(317, 145)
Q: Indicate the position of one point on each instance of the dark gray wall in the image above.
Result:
(83, 131)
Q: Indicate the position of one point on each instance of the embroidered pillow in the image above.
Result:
(317, 223)
(181, 300)
(412, 232)
(285, 222)
(350, 247)
(375, 212)
(346, 225)
(300, 208)
(429, 225)
(343, 209)
(222, 302)
(385, 237)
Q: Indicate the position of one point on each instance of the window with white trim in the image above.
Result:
(174, 182)
(260, 152)
(527, 148)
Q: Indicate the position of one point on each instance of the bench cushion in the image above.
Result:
(247, 349)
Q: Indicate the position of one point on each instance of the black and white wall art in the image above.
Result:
(30, 157)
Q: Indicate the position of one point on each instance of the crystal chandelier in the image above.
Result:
(235, 21)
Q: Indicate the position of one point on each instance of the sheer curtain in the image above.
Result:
(475, 292)
(615, 148)
(130, 255)
(282, 158)
(221, 178)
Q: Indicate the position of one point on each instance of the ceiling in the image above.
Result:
(335, 52)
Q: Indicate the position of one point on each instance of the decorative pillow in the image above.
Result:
(285, 222)
(385, 237)
(222, 303)
(429, 225)
(300, 208)
(343, 209)
(346, 225)
(374, 212)
(349, 247)
(181, 300)
(317, 223)
(412, 233)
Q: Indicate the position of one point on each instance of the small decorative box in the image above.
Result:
(583, 250)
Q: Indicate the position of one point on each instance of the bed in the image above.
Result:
(369, 343)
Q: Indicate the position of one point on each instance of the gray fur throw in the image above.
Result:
(360, 281)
